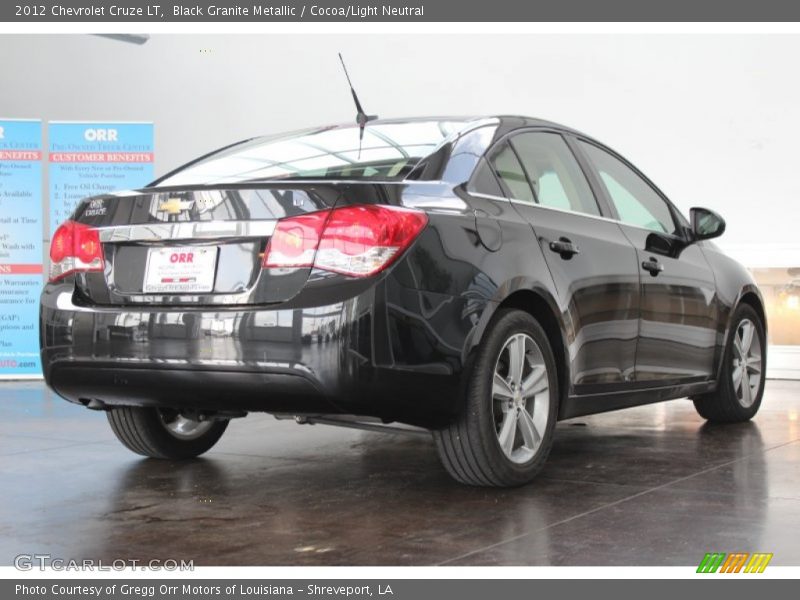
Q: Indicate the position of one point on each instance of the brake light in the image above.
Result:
(74, 247)
(294, 241)
(358, 241)
(363, 240)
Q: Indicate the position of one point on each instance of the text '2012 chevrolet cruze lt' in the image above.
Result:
(482, 278)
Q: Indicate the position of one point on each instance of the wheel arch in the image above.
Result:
(751, 296)
(541, 305)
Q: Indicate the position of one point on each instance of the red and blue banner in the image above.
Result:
(21, 235)
(87, 159)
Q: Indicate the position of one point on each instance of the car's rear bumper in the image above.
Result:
(203, 388)
(396, 359)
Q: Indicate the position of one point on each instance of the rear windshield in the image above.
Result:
(388, 151)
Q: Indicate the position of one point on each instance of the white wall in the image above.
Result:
(712, 119)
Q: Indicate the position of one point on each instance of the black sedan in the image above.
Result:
(481, 278)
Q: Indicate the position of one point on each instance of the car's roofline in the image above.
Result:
(469, 122)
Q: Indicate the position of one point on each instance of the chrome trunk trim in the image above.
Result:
(197, 230)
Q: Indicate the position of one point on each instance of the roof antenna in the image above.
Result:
(362, 118)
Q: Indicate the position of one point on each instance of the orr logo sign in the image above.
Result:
(181, 257)
(101, 135)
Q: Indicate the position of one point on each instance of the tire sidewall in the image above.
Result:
(480, 393)
(154, 439)
(743, 312)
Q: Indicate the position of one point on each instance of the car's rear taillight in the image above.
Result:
(362, 240)
(74, 247)
(358, 241)
(295, 240)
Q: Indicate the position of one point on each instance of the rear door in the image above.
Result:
(592, 264)
(677, 334)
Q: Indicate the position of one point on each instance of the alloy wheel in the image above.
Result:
(520, 398)
(182, 427)
(747, 363)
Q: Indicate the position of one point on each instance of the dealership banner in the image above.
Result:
(88, 159)
(50, 11)
(20, 246)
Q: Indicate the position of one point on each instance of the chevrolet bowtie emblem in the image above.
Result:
(174, 206)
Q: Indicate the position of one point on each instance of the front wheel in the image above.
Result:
(741, 386)
(505, 430)
(164, 433)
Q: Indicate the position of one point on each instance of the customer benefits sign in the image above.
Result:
(20, 247)
(88, 159)
(85, 159)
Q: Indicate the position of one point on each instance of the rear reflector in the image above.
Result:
(358, 241)
(74, 247)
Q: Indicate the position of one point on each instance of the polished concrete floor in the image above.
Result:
(647, 486)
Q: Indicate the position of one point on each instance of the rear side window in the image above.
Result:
(484, 181)
(554, 172)
(510, 174)
(637, 203)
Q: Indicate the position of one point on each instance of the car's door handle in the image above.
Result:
(653, 266)
(565, 248)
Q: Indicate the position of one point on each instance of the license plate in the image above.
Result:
(188, 269)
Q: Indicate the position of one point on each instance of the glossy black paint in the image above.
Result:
(397, 345)
(597, 289)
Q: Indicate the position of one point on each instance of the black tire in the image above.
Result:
(470, 448)
(725, 404)
(143, 430)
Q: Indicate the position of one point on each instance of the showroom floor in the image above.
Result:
(646, 486)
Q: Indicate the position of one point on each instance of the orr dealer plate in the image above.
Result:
(187, 269)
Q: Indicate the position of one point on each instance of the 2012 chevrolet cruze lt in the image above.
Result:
(481, 278)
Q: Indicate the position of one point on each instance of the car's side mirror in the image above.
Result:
(706, 224)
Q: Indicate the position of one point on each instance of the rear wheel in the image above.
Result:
(505, 430)
(741, 386)
(164, 433)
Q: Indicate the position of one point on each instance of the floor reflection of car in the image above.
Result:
(480, 278)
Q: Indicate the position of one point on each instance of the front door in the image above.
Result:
(678, 324)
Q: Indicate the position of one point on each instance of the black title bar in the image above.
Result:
(733, 587)
(241, 11)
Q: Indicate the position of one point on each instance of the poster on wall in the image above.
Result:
(87, 159)
(20, 247)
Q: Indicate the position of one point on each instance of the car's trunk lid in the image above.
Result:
(197, 246)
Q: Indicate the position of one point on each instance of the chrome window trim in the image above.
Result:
(569, 212)
(197, 230)
(565, 211)
(544, 207)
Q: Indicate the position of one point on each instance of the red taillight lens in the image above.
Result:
(74, 247)
(295, 241)
(353, 240)
(87, 245)
(61, 244)
(362, 240)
